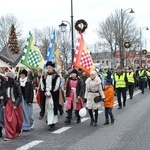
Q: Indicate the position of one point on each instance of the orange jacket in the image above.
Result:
(109, 97)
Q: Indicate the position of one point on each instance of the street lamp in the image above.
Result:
(62, 26)
(140, 54)
(63, 29)
(122, 33)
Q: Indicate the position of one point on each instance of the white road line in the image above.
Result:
(100, 111)
(135, 93)
(29, 145)
(84, 119)
(63, 129)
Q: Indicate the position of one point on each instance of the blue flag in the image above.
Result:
(50, 52)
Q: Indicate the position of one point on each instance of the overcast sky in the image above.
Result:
(42, 13)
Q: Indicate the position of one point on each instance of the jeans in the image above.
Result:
(108, 111)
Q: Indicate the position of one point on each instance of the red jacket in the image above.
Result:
(109, 97)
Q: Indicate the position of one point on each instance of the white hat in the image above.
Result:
(10, 75)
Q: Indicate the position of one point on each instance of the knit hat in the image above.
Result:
(25, 72)
(75, 71)
(108, 82)
(10, 75)
(50, 63)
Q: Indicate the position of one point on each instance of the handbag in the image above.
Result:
(97, 99)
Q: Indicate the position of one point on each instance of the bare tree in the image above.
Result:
(42, 40)
(5, 25)
(111, 30)
(64, 46)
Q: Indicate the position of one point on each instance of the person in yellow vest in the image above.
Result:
(120, 79)
(148, 77)
(142, 78)
(131, 81)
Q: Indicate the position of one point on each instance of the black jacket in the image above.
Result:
(2, 91)
(17, 94)
(28, 92)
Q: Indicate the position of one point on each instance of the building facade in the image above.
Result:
(131, 59)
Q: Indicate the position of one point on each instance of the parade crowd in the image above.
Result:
(68, 91)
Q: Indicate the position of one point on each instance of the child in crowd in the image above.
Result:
(109, 102)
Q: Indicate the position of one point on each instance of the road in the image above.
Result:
(129, 132)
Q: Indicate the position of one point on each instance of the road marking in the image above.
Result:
(84, 119)
(100, 111)
(29, 145)
(63, 129)
(135, 93)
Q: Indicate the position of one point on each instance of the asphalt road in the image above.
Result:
(129, 132)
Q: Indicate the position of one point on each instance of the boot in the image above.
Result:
(107, 122)
(52, 127)
(60, 108)
(124, 104)
(96, 117)
(91, 115)
(69, 117)
(78, 117)
(112, 120)
(68, 121)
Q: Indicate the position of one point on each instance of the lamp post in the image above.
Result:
(122, 33)
(140, 54)
(63, 29)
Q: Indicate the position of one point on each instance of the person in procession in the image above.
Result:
(120, 82)
(2, 97)
(93, 89)
(40, 92)
(51, 90)
(13, 117)
(74, 96)
(142, 78)
(109, 101)
(27, 100)
(131, 82)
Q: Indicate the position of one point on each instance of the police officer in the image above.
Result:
(120, 79)
(142, 78)
(131, 81)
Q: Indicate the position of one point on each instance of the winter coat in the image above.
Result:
(28, 92)
(93, 89)
(17, 94)
(109, 97)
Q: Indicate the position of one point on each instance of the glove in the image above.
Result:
(85, 100)
(103, 99)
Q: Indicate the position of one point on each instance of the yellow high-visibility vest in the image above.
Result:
(130, 77)
(120, 82)
(148, 73)
(141, 73)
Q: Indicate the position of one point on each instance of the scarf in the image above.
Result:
(23, 81)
